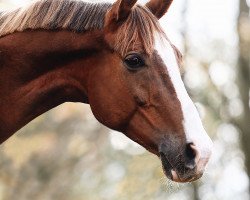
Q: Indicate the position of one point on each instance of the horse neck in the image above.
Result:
(41, 70)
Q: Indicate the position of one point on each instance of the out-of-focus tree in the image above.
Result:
(243, 78)
(215, 98)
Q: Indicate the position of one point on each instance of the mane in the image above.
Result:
(75, 15)
(80, 16)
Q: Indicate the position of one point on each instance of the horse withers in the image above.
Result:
(117, 58)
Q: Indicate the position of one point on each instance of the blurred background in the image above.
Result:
(66, 154)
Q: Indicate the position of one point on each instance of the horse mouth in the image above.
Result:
(172, 173)
(166, 165)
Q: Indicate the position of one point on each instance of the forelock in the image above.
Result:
(138, 31)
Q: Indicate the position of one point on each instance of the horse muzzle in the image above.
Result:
(187, 166)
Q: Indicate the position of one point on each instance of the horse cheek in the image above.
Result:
(112, 106)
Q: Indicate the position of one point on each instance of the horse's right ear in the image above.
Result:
(120, 11)
(159, 7)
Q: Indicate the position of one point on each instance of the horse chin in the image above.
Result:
(176, 178)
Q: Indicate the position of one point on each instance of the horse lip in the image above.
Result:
(166, 165)
(178, 179)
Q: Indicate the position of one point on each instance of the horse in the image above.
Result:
(115, 57)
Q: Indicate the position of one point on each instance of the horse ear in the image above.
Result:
(159, 7)
(121, 10)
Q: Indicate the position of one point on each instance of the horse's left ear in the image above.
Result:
(159, 7)
(120, 10)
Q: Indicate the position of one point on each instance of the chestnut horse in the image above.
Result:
(115, 57)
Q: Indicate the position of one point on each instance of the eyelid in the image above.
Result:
(142, 63)
(141, 56)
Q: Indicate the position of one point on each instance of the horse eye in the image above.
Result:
(134, 62)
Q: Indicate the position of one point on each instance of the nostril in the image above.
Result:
(190, 152)
(190, 155)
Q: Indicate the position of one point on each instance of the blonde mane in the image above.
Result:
(74, 15)
(80, 16)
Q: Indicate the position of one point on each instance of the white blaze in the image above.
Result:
(194, 130)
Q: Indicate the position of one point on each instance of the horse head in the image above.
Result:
(145, 97)
(118, 59)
